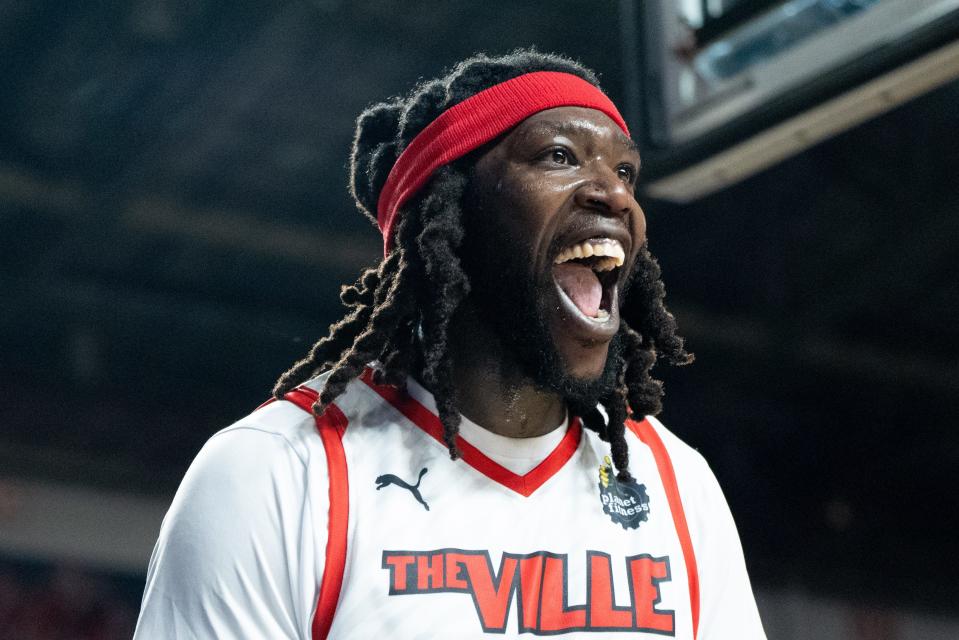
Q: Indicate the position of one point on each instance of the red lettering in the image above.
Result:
(429, 571)
(492, 597)
(540, 582)
(454, 571)
(645, 574)
(397, 565)
(530, 585)
(603, 612)
(554, 616)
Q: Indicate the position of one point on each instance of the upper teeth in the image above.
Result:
(610, 250)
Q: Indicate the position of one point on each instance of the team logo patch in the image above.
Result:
(626, 503)
(388, 478)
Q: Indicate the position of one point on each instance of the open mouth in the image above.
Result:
(587, 273)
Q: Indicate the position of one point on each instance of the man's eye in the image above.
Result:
(626, 173)
(560, 156)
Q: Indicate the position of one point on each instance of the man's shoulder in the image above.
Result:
(297, 424)
(698, 485)
(282, 423)
(687, 462)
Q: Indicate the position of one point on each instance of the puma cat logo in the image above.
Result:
(389, 478)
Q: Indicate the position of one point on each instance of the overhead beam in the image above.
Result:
(243, 231)
(250, 233)
(60, 197)
(97, 528)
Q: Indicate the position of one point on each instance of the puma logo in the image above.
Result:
(389, 478)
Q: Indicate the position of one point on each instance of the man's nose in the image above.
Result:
(607, 193)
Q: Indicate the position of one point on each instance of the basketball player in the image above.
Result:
(470, 452)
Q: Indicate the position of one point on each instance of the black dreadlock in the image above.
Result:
(399, 311)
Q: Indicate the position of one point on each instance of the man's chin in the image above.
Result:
(584, 388)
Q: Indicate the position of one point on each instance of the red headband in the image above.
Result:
(474, 122)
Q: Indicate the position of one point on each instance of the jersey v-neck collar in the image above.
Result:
(523, 484)
(519, 455)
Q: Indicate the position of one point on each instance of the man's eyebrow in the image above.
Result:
(571, 127)
(631, 145)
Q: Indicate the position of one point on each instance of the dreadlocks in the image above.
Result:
(399, 312)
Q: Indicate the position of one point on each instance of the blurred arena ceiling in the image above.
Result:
(176, 225)
(174, 194)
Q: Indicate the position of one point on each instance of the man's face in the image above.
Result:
(552, 191)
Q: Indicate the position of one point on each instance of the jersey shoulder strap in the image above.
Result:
(647, 434)
(330, 425)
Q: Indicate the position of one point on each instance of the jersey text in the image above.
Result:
(537, 582)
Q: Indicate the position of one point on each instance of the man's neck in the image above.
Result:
(491, 389)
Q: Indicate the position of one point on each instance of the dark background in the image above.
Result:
(176, 225)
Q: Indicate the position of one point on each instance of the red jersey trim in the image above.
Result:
(330, 426)
(647, 434)
(524, 485)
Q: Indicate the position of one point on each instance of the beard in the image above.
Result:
(511, 303)
(543, 364)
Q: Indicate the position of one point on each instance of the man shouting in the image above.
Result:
(470, 450)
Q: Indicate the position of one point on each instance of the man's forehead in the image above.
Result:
(577, 122)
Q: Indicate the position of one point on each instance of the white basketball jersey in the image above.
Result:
(381, 535)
